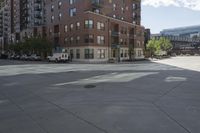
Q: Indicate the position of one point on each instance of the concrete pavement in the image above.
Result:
(148, 97)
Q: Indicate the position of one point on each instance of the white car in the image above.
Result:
(58, 57)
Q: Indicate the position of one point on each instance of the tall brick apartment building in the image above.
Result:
(87, 29)
(96, 29)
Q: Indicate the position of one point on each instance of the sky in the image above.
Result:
(162, 14)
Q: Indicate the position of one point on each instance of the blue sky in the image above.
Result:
(158, 16)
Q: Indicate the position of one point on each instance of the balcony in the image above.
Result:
(97, 3)
(115, 45)
(115, 33)
(37, 8)
(38, 1)
(38, 15)
(56, 34)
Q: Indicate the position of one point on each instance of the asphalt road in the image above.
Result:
(145, 97)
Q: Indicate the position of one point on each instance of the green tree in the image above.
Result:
(165, 44)
(39, 46)
(152, 46)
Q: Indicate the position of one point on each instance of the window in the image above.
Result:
(134, 6)
(77, 39)
(89, 24)
(100, 40)
(126, 53)
(77, 53)
(89, 53)
(78, 24)
(50, 31)
(139, 53)
(52, 8)
(114, 7)
(71, 27)
(122, 53)
(122, 10)
(59, 4)
(72, 2)
(71, 53)
(59, 16)
(100, 26)
(89, 39)
(66, 28)
(71, 40)
(65, 41)
(52, 18)
(96, 1)
(101, 54)
(72, 12)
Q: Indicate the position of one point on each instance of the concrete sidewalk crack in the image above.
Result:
(73, 114)
(78, 117)
(167, 92)
(170, 117)
(167, 114)
(27, 114)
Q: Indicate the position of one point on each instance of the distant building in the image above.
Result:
(147, 36)
(181, 44)
(184, 39)
(190, 31)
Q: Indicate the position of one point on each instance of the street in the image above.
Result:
(161, 96)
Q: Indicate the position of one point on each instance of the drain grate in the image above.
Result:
(89, 86)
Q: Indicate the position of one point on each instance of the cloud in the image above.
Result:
(191, 4)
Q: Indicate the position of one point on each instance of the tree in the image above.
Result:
(39, 46)
(151, 46)
(165, 44)
(158, 46)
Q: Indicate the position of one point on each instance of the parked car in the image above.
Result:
(15, 57)
(58, 57)
(35, 57)
(12, 57)
(173, 54)
(111, 60)
(3, 56)
(24, 57)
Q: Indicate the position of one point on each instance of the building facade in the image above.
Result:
(147, 36)
(190, 31)
(96, 29)
(32, 17)
(86, 29)
(5, 23)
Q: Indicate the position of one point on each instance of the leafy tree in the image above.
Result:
(156, 46)
(165, 44)
(40, 46)
(151, 46)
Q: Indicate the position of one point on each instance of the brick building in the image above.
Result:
(87, 29)
(96, 29)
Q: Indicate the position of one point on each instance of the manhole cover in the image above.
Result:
(89, 86)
